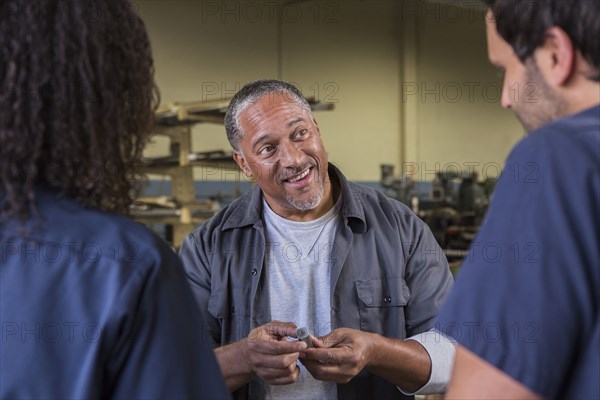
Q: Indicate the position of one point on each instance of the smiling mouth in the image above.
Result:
(299, 177)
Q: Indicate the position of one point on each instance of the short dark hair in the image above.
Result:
(250, 94)
(523, 25)
(77, 100)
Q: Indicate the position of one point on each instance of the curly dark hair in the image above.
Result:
(523, 25)
(77, 99)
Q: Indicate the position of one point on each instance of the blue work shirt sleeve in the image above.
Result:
(160, 353)
(526, 298)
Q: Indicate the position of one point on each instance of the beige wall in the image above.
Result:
(368, 57)
(461, 123)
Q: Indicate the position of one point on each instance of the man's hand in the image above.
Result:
(344, 353)
(339, 356)
(270, 356)
(264, 353)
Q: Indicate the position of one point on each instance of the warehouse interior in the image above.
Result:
(408, 83)
(329, 199)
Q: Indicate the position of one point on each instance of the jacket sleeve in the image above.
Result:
(194, 254)
(429, 280)
(427, 276)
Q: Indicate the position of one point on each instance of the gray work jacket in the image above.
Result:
(388, 275)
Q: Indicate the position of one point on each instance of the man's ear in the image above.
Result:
(241, 162)
(557, 56)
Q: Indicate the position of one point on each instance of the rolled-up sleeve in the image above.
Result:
(441, 351)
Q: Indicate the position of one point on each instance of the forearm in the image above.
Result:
(404, 363)
(234, 365)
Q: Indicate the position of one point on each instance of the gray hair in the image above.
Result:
(250, 94)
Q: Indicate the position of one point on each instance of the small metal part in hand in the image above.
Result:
(302, 334)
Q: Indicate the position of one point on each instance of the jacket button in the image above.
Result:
(387, 299)
(254, 272)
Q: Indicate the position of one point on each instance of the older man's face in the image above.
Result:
(281, 149)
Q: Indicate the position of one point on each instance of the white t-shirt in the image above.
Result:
(298, 263)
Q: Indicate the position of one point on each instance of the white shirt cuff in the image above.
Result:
(441, 352)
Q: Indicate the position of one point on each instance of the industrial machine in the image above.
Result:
(453, 205)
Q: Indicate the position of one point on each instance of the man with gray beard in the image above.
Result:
(359, 270)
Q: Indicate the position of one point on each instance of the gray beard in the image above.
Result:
(309, 204)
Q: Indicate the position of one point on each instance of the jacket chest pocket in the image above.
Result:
(231, 307)
(230, 302)
(381, 305)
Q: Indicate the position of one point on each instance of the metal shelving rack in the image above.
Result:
(176, 121)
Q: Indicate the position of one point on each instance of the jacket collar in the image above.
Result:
(247, 210)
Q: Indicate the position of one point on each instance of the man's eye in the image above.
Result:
(266, 149)
(301, 133)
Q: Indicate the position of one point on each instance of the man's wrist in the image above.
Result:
(376, 352)
(235, 365)
(245, 356)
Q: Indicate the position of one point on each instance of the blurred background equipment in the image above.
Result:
(453, 205)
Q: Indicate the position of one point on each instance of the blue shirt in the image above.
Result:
(527, 297)
(95, 306)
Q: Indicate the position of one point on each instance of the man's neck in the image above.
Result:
(581, 105)
(582, 94)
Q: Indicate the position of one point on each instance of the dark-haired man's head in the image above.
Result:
(549, 53)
